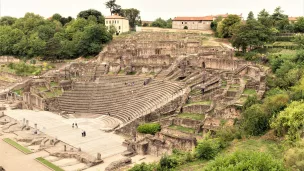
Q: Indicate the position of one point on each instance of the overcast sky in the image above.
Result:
(151, 9)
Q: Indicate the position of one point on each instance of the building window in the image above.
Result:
(185, 22)
(117, 22)
(119, 27)
(182, 22)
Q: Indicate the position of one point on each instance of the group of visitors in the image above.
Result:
(74, 125)
(84, 134)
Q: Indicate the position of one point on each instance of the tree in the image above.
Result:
(56, 17)
(7, 20)
(299, 25)
(290, 122)
(114, 8)
(280, 20)
(255, 120)
(299, 40)
(91, 12)
(252, 34)
(215, 23)
(245, 160)
(265, 19)
(208, 148)
(159, 22)
(250, 16)
(132, 14)
(228, 26)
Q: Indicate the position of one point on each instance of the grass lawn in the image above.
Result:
(17, 146)
(49, 164)
(249, 92)
(257, 144)
(193, 116)
(200, 103)
(182, 129)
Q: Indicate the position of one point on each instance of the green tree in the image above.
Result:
(7, 20)
(92, 12)
(299, 25)
(290, 122)
(252, 34)
(159, 22)
(215, 23)
(114, 8)
(57, 17)
(265, 18)
(255, 121)
(133, 15)
(299, 40)
(208, 148)
(280, 20)
(8, 39)
(228, 26)
(250, 16)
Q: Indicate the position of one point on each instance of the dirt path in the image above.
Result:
(13, 160)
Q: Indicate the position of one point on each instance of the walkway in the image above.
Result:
(96, 141)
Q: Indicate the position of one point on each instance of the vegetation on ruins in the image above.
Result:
(245, 160)
(53, 38)
(149, 128)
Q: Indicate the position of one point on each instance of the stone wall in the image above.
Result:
(130, 128)
(201, 109)
(8, 59)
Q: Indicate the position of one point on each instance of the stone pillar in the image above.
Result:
(27, 123)
(98, 156)
(64, 148)
(23, 122)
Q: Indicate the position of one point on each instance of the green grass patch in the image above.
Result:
(200, 103)
(196, 165)
(182, 129)
(17, 146)
(42, 88)
(19, 92)
(272, 147)
(249, 92)
(54, 84)
(193, 116)
(233, 89)
(49, 164)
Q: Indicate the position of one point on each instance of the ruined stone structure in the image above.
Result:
(152, 77)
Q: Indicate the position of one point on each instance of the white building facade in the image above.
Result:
(120, 23)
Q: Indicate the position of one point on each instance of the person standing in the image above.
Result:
(76, 125)
(73, 125)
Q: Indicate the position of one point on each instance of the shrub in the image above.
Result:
(290, 121)
(245, 160)
(144, 167)
(251, 100)
(255, 120)
(207, 149)
(294, 158)
(149, 128)
(168, 162)
(227, 134)
(186, 27)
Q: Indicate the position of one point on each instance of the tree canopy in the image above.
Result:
(53, 38)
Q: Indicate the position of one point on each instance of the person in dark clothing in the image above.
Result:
(84, 134)
(109, 113)
(76, 125)
(73, 125)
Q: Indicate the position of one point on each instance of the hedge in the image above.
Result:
(149, 128)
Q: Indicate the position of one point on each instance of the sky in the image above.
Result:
(151, 9)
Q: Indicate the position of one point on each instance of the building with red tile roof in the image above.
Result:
(196, 23)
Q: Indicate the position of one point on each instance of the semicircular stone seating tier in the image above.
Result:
(123, 97)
